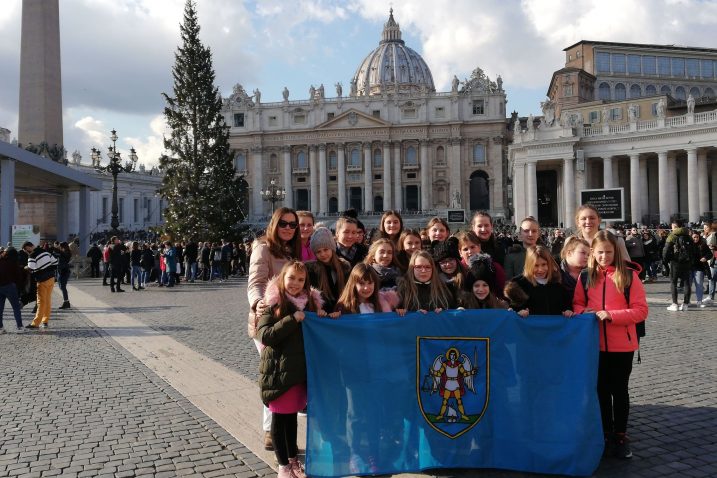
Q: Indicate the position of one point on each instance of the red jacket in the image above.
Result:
(618, 333)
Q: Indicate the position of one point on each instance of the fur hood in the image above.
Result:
(389, 300)
(271, 296)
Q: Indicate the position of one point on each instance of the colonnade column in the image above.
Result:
(289, 200)
(693, 206)
(519, 191)
(531, 189)
(671, 173)
(7, 200)
(425, 177)
(663, 196)
(397, 176)
(607, 172)
(342, 176)
(703, 183)
(323, 193)
(456, 177)
(387, 203)
(569, 189)
(84, 222)
(367, 179)
(644, 204)
(314, 179)
(257, 174)
(714, 183)
(635, 198)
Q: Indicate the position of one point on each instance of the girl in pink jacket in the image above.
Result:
(616, 295)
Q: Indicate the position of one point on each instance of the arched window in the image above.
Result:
(377, 162)
(301, 160)
(680, 93)
(620, 92)
(273, 163)
(440, 155)
(665, 90)
(411, 156)
(478, 154)
(635, 91)
(709, 92)
(333, 160)
(650, 90)
(355, 158)
(604, 91)
(240, 162)
(479, 194)
(695, 92)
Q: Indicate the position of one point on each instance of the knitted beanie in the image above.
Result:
(322, 239)
(445, 249)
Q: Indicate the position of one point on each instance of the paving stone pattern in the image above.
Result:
(74, 404)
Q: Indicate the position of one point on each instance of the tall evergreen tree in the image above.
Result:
(205, 198)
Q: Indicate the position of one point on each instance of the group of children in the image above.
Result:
(397, 275)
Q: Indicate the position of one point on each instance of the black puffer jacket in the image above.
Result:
(548, 299)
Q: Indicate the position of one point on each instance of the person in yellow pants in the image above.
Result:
(43, 265)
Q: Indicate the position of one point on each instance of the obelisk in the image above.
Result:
(40, 113)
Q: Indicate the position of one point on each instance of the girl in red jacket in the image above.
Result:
(610, 284)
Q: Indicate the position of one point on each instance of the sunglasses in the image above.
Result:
(291, 225)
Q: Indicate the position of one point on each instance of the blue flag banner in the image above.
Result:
(459, 389)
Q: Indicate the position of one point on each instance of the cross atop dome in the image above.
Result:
(391, 30)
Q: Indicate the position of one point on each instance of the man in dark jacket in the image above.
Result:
(205, 252)
(679, 251)
(95, 256)
(191, 251)
(116, 264)
(43, 267)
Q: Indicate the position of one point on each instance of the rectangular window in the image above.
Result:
(615, 114)
(440, 112)
(299, 119)
(663, 65)
(376, 113)
(411, 176)
(301, 179)
(567, 90)
(602, 62)
(678, 67)
(121, 210)
(594, 117)
(707, 71)
(618, 62)
(105, 209)
(633, 64)
(238, 120)
(330, 116)
(332, 178)
(136, 210)
(409, 113)
(648, 65)
(478, 107)
(273, 121)
(693, 67)
(377, 176)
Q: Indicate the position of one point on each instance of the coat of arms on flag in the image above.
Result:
(453, 382)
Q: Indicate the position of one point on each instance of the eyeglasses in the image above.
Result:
(291, 225)
(422, 268)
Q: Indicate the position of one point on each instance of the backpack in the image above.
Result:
(639, 327)
(683, 250)
(218, 255)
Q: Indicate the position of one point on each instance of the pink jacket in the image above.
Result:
(262, 267)
(617, 334)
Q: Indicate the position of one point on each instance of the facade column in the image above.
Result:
(63, 201)
(323, 192)
(519, 191)
(84, 221)
(635, 191)
(531, 189)
(645, 203)
(7, 200)
(397, 177)
(663, 198)
(703, 183)
(693, 206)
(569, 189)
(367, 179)
(289, 200)
(387, 202)
(314, 180)
(341, 158)
(257, 174)
(607, 172)
(714, 183)
(674, 205)
(455, 163)
(425, 177)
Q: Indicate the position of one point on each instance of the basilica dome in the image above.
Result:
(392, 67)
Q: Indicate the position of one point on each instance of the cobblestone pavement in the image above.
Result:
(72, 390)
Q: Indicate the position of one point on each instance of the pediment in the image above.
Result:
(353, 119)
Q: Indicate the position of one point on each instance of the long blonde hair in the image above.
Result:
(370, 257)
(532, 254)
(349, 301)
(622, 276)
(441, 296)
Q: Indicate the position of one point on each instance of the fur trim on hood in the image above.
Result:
(271, 296)
(389, 299)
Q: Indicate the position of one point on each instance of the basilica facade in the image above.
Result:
(391, 142)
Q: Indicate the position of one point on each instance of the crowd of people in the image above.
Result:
(300, 266)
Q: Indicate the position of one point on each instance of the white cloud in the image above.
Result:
(151, 147)
(93, 131)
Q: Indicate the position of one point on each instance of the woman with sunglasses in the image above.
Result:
(281, 243)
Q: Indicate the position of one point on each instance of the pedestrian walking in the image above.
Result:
(95, 255)
(12, 280)
(64, 255)
(680, 253)
(43, 267)
(116, 264)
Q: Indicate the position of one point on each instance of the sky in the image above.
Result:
(117, 55)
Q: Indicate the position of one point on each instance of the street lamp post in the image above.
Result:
(273, 194)
(114, 167)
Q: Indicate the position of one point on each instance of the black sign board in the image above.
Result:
(456, 216)
(609, 203)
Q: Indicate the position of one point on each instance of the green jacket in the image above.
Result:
(283, 363)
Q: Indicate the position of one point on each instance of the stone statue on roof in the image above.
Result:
(285, 94)
(339, 89)
(690, 104)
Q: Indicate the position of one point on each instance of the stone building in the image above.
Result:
(393, 142)
(640, 117)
